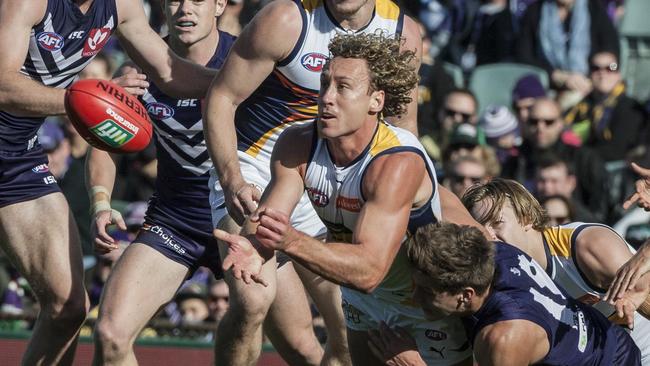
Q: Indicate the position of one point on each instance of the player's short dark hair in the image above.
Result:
(453, 256)
(391, 71)
(496, 193)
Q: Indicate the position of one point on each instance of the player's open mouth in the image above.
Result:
(327, 116)
(185, 25)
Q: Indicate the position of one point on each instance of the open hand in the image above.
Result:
(642, 195)
(133, 81)
(244, 260)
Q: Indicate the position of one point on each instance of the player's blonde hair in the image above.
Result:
(391, 71)
(494, 194)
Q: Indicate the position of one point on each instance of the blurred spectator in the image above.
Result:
(99, 68)
(559, 36)
(556, 177)
(503, 134)
(543, 135)
(468, 140)
(559, 209)
(229, 21)
(52, 139)
(138, 172)
(218, 300)
(192, 303)
(463, 173)
(615, 10)
(607, 120)
(435, 16)
(526, 90)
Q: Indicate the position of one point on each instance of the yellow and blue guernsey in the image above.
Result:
(337, 196)
(559, 244)
(289, 94)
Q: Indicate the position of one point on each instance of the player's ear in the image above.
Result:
(466, 296)
(220, 7)
(377, 101)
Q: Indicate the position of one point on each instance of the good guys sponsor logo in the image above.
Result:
(313, 61)
(159, 110)
(123, 121)
(168, 239)
(96, 40)
(49, 41)
(348, 204)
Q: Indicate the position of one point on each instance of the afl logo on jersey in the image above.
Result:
(317, 197)
(49, 41)
(435, 335)
(159, 110)
(96, 40)
(313, 61)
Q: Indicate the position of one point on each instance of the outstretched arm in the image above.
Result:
(363, 262)
(269, 38)
(19, 94)
(172, 74)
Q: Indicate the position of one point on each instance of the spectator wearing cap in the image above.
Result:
(607, 120)
(526, 90)
(192, 303)
(503, 134)
(469, 140)
(543, 134)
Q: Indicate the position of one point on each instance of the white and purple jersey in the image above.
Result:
(578, 334)
(60, 46)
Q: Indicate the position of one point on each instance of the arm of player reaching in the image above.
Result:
(379, 232)
(19, 94)
(172, 74)
(100, 178)
(511, 342)
(269, 38)
(453, 211)
(245, 254)
(600, 252)
(413, 42)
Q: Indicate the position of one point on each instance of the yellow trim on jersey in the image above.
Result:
(310, 5)
(384, 139)
(387, 9)
(559, 240)
(256, 148)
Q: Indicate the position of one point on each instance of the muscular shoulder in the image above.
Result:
(294, 146)
(276, 28)
(393, 171)
(511, 342)
(30, 11)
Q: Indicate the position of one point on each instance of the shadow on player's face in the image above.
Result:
(191, 21)
(435, 304)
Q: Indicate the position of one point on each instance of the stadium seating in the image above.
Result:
(635, 48)
(493, 83)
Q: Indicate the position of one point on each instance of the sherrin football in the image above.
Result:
(107, 116)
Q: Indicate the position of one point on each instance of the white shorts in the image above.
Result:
(440, 342)
(255, 171)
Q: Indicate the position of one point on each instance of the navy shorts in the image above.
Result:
(25, 176)
(191, 248)
(627, 353)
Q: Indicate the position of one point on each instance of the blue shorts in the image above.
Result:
(627, 353)
(190, 247)
(25, 176)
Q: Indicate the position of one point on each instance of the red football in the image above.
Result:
(107, 116)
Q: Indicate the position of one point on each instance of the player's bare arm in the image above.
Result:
(19, 94)
(269, 38)
(413, 42)
(172, 74)
(512, 342)
(377, 237)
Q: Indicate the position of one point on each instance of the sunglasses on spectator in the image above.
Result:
(547, 121)
(462, 178)
(452, 113)
(612, 67)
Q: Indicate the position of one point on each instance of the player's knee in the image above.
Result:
(69, 312)
(305, 349)
(111, 340)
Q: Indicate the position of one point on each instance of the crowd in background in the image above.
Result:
(568, 133)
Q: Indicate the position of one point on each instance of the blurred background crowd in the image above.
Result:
(552, 93)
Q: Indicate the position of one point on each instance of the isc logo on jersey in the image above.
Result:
(49, 41)
(159, 110)
(313, 61)
(97, 38)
